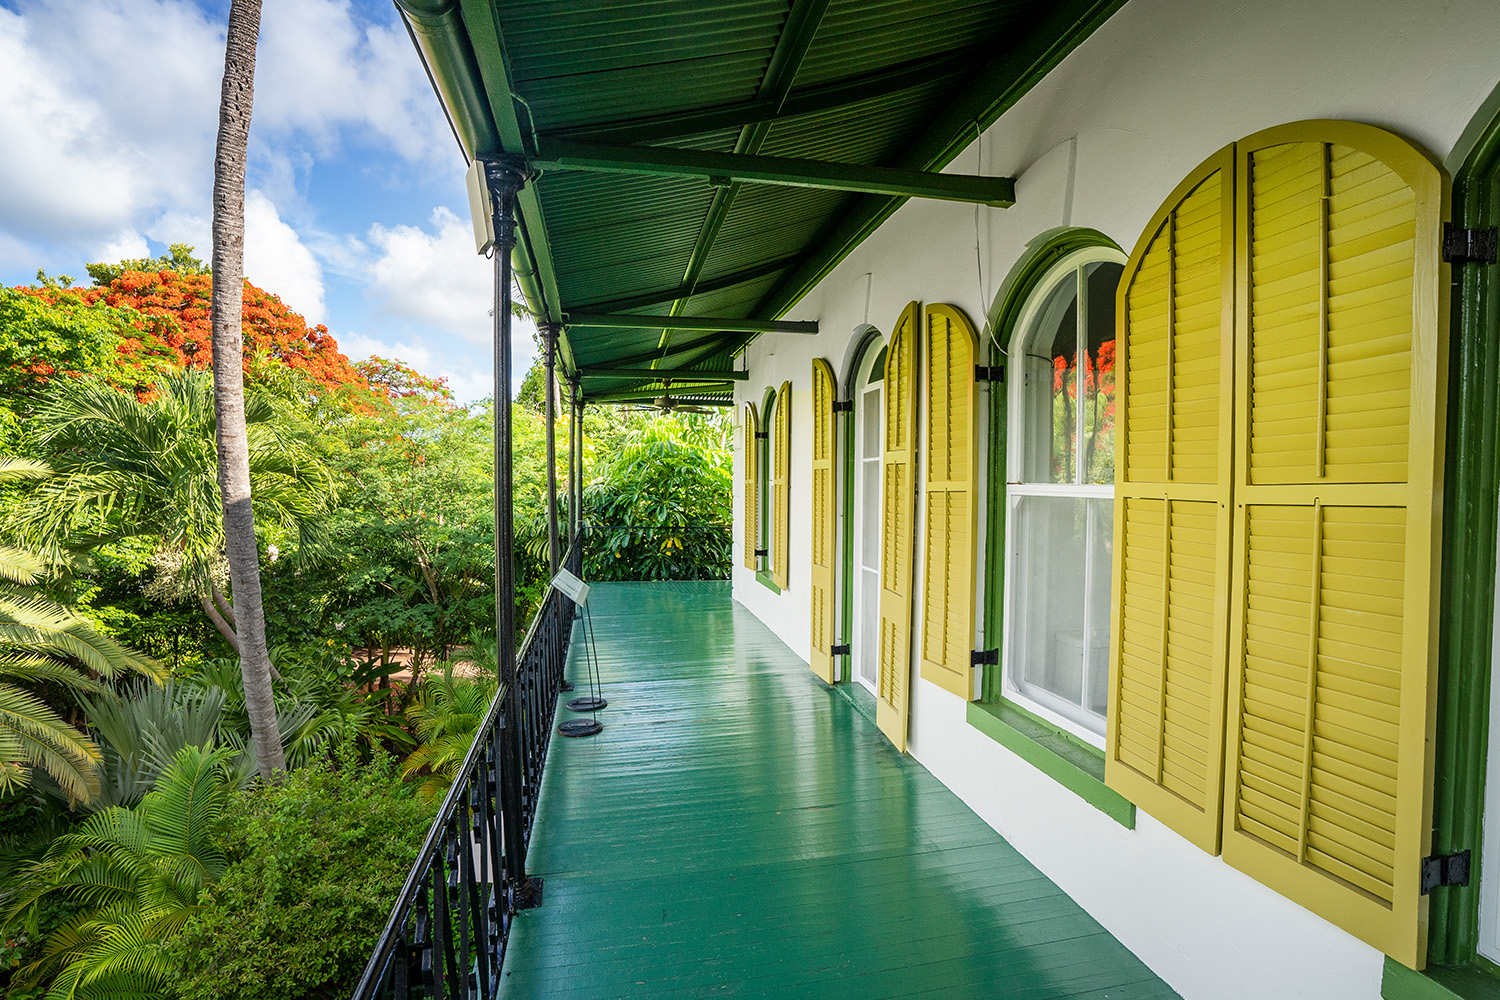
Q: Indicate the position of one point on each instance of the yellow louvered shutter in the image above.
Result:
(752, 488)
(781, 485)
(824, 520)
(950, 526)
(1172, 504)
(897, 531)
(1341, 371)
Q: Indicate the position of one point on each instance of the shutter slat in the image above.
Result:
(950, 346)
(1163, 748)
(1330, 659)
(751, 539)
(897, 525)
(824, 520)
(781, 475)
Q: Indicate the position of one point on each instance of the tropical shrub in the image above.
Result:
(313, 866)
(444, 718)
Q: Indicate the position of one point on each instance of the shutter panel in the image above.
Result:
(824, 522)
(752, 489)
(950, 527)
(780, 485)
(1341, 371)
(897, 531)
(1172, 509)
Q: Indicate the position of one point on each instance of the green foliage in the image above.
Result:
(656, 502)
(178, 258)
(42, 644)
(128, 468)
(314, 865)
(138, 874)
(445, 717)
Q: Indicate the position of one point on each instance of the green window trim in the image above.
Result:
(1070, 761)
(1439, 982)
(1076, 765)
(1466, 615)
(764, 578)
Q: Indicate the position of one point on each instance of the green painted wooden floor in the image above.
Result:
(740, 830)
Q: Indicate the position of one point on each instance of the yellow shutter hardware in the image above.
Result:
(781, 476)
(1341, 371)
(950, 527)
(824, 520)
(897, 531)
(1169, 619)
(752, 488)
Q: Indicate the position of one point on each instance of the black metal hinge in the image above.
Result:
(1470, 246)
(763, 552)
(988, 373)
(840, 649)
(843, 406)
(985, 657)
(762, 435)
(1445, 869)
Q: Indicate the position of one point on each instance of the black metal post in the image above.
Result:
(578, 527)
(573, 464)
(506, 176)
(549, 344)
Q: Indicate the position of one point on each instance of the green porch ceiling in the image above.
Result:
(664, 134)
(740, 829)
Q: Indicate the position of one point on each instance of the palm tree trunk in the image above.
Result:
(235, 100)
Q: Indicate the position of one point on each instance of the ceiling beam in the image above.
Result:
(988, 94)
(665, 374)
(682, 394)
(727, 168)
(702, 287)
(812, 101)
(702, 348)
(706, 323)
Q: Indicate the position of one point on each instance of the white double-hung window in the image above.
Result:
(1060, 455)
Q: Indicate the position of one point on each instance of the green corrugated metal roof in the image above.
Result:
(888, 83)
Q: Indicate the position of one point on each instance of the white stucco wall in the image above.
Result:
(1100, 143)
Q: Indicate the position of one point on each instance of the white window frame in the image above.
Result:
(1041, 703)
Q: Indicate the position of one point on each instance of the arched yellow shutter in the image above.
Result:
(950, 526)
(781, 485)
(824, 521)
(897, 531)
(1341, 340)
(1174, 388)
(752, 488)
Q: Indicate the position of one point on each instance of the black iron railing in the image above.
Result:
(447, 931)
(657, 552)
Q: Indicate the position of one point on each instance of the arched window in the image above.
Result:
(1060, 490)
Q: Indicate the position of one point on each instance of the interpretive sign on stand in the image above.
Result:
(577, 591)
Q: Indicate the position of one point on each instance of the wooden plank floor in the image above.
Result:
(740, 830)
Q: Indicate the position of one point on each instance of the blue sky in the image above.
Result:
(355, 207)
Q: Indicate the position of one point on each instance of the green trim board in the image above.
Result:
(765, 580)
(1060, 755)
(1439, 982)
(1468, 577)
(722, 169)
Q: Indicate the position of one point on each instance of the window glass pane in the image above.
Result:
(1050, 371)
(1060, 623)
(1101, 547)
(877, 370)
(1098, 396)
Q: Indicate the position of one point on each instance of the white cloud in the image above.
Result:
(126, 245)
(435, 278)
(320, 69)
(469, 382)
(276, 260)
(109, 115)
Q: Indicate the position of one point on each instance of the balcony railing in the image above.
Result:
(447, 931)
